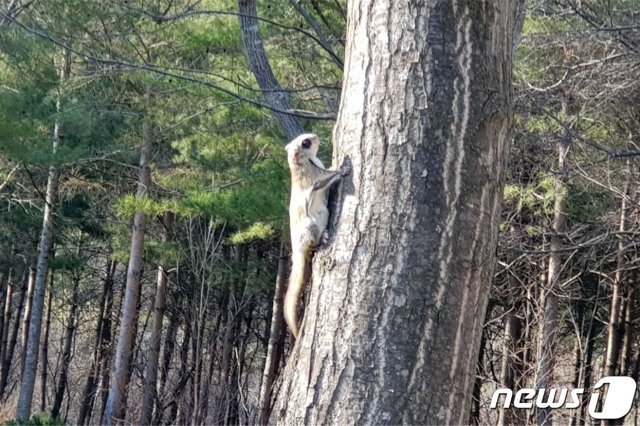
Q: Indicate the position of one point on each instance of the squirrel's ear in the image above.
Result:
(287, 146)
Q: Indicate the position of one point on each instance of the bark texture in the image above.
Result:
(392, 329)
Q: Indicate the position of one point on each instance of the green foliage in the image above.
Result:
(256, 231)
(537, 197)
(545, 24)
(39, 419)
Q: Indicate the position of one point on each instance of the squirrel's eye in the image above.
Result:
(306, 144)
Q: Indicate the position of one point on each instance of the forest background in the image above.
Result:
(172, 115)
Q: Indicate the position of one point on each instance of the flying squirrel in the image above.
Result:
(308, 214)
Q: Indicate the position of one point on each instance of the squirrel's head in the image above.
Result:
(302, 148)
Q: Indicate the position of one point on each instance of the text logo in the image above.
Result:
(620, 393)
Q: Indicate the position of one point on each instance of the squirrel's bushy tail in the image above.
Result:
(294, 290)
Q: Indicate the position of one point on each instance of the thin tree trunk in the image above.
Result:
(8, 310)
(5, 280)
(586, 373)
(206, 386)
(11, 345)
(26, 317)
(165, 363)
(259, 65)
(61, 385)
(275, 339)
(197, 361)
(89, 392)
(615, 329)
(106, 349)
(149, 397)
(23, 410)
(44, 354)
(549, 300)
(229, 390)
(512, 364)
(630, 304)
(322, 39)
(184, 374)
(397, 301)
(115, 411)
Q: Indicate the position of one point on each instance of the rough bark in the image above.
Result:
(474, 414)
(275, 339)
(114, 408)
(549, 300)
(44, 252)
(150, 379)
(392, 330)
(259, 65)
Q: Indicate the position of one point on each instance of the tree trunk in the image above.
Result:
(7, 311)
(615, 328)
(588, 372)
(512, 366)
(627, 340)
(44, 353)
(11, 344)
(23, 410)
(228, 404)
(89, 392)
(114, 410)
(184, 375)
(275, 338)
(150, 379)
(165, 363)
(548, 300)
(106, 348)
(476, 403)
(26, 317)
(259, 65)
(4, 314)
(61, 385)
(392, 330)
